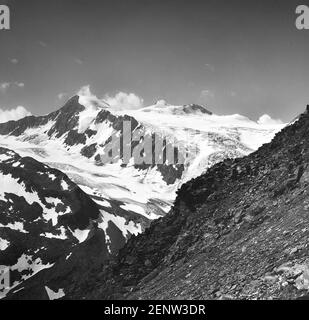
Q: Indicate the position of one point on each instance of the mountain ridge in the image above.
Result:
(44, 218)
(73, 139)
(237, 232)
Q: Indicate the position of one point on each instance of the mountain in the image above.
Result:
(131, 193)
(239, 231)
(163, 107)
(124, 185)
(45, 219)
(208, 138)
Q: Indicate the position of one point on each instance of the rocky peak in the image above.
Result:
(192, 108)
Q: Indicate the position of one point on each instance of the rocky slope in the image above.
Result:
(240, 231)
(46, 222)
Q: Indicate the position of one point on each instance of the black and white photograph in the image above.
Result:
(154, 150)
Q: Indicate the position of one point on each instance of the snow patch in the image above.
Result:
(64, 185)
(80, 235)
(4, 244)
(52, 295)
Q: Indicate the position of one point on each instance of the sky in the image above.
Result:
(232, 56)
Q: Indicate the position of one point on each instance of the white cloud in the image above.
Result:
(120, 101)
(89, 100)
(19, 84)
(265, 119)
(85, 91)
(207, 97)
(14, 60)
(207, 94)
(78, 61)
(161, 103)
(4, 86)
(61, 95)
(124, 101)
(13, 114)
(209, 67)
(42, 44)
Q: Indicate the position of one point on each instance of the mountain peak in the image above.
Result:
(189, 108)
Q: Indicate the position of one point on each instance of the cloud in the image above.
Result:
(89, 100)
(85, 91)
(13, 114)
(161, 103)
(4, 86)
(124, 101)
(207, 96)
(78, 61)
(14, 60)
(210, 67)
(207, 93)
(61, 95)
(42, 44)
(120, 101)
(19, 84)
(265, 119)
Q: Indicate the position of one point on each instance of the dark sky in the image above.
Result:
(234, 56)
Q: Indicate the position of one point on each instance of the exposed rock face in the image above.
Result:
(238, 231)
(44, 218)
(195, 108)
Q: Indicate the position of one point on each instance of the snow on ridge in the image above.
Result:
(64, 185)
(80, 235)
(26, 263)
(4, 157)
(61, 236)
(11, 185)
(138, 209)
(4, 244)
(126, 227)
(86, 117)
(93, 105)
(53, 295)
(17, 226)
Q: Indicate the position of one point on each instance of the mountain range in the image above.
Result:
(65, 212)
(238, 231)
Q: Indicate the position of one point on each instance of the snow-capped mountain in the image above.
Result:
(239, 231)
(44, 218)
(120, 197)
(72, 140)
(130, 195)
(209, 138)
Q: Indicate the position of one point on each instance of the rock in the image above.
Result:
(148, 263)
